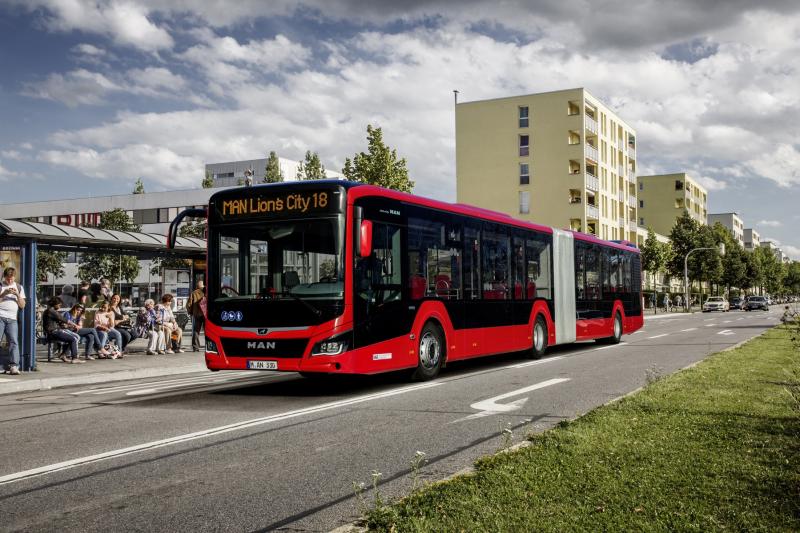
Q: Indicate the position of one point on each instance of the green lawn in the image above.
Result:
(710, 448)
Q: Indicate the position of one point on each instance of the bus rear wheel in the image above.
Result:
(539, 345)
(430, 353)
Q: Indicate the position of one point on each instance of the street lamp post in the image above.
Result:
(720, 248)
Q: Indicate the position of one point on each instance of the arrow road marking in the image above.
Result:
(726, 332)
(490, 406)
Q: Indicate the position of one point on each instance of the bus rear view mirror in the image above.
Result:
(365, 239)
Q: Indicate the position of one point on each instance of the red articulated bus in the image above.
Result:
(337, 277)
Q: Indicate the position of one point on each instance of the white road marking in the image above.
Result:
(726, 332)
(707, 319)
(490, 406)
(690, 329)
(207, 382)
(611, 346)
(539, 362)
(709, 325)
(727, 321)
(7, 379)
(658, 336)
(72, 463)
(742, 318)
(636, 332)
(129, 386)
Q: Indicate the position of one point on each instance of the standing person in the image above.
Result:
(122, 322)
(67, 299)
(84, 290)
(147, 327)
(105, 289)
(12, 299)
(57, 328)
(666, 302)
(678, 301)
(195, 310)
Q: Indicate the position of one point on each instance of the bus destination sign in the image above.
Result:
(285, 203)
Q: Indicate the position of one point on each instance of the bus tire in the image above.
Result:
(539, 344)
(617, 336)
(430, 353)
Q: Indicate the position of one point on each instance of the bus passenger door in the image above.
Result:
(377, 281)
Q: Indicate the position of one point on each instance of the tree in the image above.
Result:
(138, 187)
(734, 267)
(311, 168)
(379, 166)
(111, 266)
(208, 181)
(273, 172)
(50, 263)
(190, 229)
(684, 237)
(655, 255)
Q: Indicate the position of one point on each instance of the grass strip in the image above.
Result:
(709, 448)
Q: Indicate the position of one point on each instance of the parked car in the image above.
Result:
(756, 302)
(736, 303)
(716, 303)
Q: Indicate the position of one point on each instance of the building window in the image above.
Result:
(524, 145)
(524, 174)
(678, 185)
(145, 216)
(523, 117)
(641, 221)
(641, 186)
(641, 204)
(524, 203)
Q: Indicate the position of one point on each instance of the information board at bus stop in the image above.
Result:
(178, 284)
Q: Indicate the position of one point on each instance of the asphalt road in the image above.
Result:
(269, 451)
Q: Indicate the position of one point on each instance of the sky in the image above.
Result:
(95, 94)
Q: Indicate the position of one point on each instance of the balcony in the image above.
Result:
(621, 196)
(632, 200)
(621, 222)
(592, 212)
(591, 124)
(631, 152)
(592, 183)
(621, 144)
(591, 152)
(632, 225)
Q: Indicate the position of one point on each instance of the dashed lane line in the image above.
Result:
(690, 329)
(658, 336)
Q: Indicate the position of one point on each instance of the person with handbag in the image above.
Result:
(122, 322)
(148, 327)
(104, 324)
(172, 331)
(195, 310)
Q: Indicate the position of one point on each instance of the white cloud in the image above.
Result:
(781, 165)
(125, 22)
(712, 184)
(792, 251)
(77, 87)
(5, 174)
(770, 223)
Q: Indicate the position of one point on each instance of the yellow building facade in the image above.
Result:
(560, 158)
(663, 198)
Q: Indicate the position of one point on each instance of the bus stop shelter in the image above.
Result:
(20, 242)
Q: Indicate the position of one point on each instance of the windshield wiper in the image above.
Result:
(313, 309)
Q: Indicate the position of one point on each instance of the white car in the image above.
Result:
(716, 303)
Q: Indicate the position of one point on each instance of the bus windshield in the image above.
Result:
(274, 260)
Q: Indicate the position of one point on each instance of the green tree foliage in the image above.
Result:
(684, 237)
(208, 180)
(111, 266)
(379, 166)
(656, 255)
(792, 280)
(734, 265)
(190, 229)
(272, 172)
(138, 187)
(311, 168)
(48, 263)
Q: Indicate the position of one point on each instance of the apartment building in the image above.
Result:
(663, 198)
(560, 158)
(732, 222)
(752, 239)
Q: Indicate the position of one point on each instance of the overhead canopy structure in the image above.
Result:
(71, 238)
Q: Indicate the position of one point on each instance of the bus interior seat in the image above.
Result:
(418, 284)
(291, 279)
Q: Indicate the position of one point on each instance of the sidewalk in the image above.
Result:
(135, 365)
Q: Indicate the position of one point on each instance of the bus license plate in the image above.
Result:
(262, 365)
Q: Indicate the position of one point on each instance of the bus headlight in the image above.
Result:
(211, 346)
(335, 345)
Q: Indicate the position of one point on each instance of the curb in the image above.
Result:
(33, 385)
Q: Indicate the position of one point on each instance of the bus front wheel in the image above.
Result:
(430, 353)
(539, 338)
